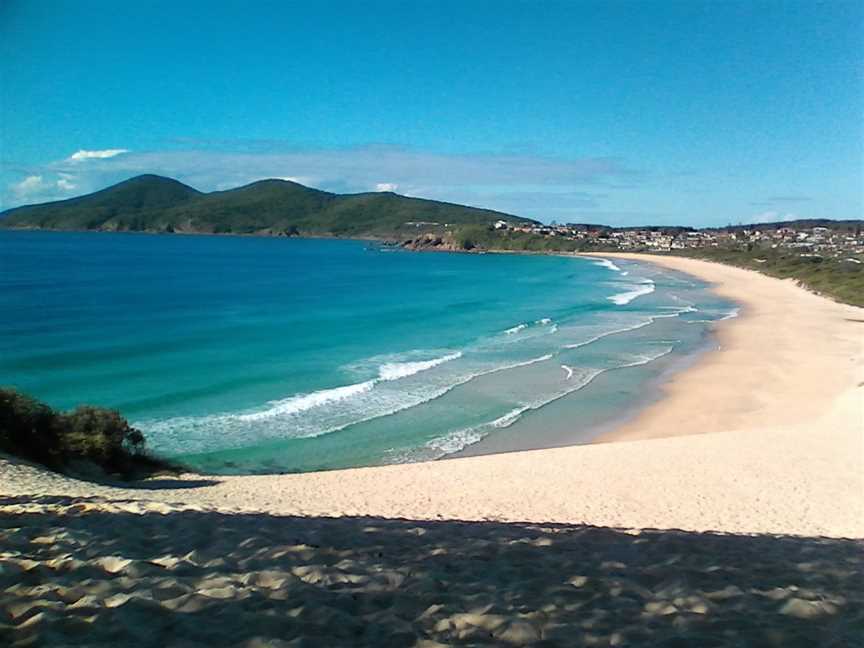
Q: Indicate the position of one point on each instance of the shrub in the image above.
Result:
(470, 237)
(59, 440)
(99, 435)
(27, 427)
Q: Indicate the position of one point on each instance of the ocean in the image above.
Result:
(258, 355)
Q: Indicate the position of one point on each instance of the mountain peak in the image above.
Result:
(150, 177)
(271, 206)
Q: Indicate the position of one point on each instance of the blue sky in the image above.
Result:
(702, 113)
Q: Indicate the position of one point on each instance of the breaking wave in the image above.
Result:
(543, 322)
(606, 263)
(304, 402)
(397, 370)
(515, 329)
(461, 439)
(646, 287)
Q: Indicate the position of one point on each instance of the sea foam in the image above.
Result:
(461, 439)
(545, 323)
(626, 329)
(397, 370)
(646, 287)
(515, 329)
(728, 315)
(678, 310)
(516, 365)
(303, 402)
(606, 263)
(317, 413)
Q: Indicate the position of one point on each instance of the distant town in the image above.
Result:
(835, 239)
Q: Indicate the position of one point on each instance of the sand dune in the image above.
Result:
(99, 572)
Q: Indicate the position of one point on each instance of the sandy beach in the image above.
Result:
(755, 456)
(787, 359)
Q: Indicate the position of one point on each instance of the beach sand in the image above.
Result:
(786, 360)
(759, 471)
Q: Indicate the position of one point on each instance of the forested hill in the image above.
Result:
(151, 203)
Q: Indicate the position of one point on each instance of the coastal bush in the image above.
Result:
(488, 238)
(470, 237)
(67, 441)
(99, 435)
(838, 278)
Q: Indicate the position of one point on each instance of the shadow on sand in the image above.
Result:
(127, 573)
(161, 483)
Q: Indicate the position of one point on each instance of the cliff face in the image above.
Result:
(440, 242)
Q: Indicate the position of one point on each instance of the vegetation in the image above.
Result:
(487, 238)
(74, 441)
(835, 277)
(152, 203)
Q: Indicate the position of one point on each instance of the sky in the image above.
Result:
(616, 112)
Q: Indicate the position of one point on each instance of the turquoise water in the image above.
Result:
(260, 355)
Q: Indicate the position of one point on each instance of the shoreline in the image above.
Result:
(652, 391)
(761, 347)
(786, 456)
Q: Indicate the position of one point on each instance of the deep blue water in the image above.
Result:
(259, 354)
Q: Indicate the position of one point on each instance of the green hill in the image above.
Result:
(139, 195)
(150, 203)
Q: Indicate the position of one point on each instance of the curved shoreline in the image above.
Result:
(532, 436)
(781, 362)
(783, 395)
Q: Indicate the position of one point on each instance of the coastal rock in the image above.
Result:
(444, 243)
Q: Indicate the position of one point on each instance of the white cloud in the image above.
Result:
(37, 187)
(66, 185)
(29, 186)
(386, 186)
(96, 155)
